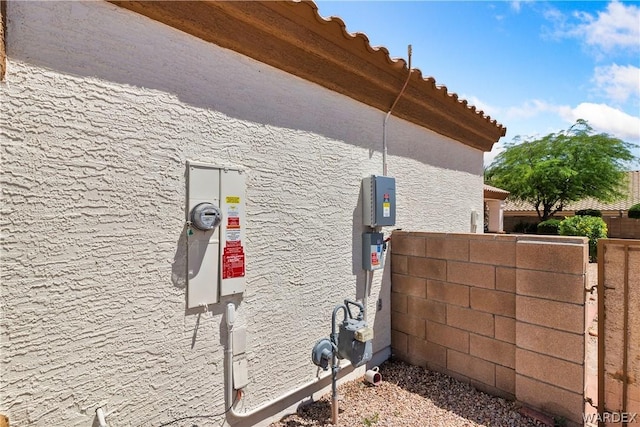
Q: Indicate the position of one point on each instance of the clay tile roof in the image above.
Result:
(633, 197)
(293, 37)
(495, 193)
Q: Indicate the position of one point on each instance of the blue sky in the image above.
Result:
(535, 66)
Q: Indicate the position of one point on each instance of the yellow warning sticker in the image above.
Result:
(386, 209)
(233, 199)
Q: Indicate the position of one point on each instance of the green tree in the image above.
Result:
(589, 226)
(562, 167)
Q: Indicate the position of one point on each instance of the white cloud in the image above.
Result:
(537, 118)
(480, 105)
(615, 27)
(490, 156)
(618, 83)
(533, 108)
(516, 5)
(528, 110)
(604, 118)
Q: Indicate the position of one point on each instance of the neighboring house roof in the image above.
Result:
(495, 193)
(293, 37)
(633, 197)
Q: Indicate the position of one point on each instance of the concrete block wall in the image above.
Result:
(504, 313)
(623, 228)
(617, 227)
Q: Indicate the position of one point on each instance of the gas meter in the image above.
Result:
(354, 338)
(351, 342)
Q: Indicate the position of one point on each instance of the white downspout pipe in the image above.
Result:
(365, 298)
(386, 118)
(230, 400)
(102, 418)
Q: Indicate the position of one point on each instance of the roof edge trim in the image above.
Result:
(293, 37)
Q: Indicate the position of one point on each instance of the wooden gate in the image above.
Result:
(618, 332)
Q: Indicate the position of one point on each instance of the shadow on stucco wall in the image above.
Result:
(356, 247)
(179, 265)
(134, 53)
(179, 280)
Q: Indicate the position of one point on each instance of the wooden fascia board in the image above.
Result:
(292, 37)
(488, 194)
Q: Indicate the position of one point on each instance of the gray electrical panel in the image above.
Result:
(378, 201)
(372, 251)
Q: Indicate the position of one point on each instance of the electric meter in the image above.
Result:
(206, 216)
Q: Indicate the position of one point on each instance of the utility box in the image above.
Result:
(372, 251)
(215, 233)
(354, 342)
(232, 230)
(378, 201)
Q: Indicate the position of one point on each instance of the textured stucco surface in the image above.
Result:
(101, 108)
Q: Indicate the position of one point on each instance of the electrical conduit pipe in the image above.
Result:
(234, 417)
(334, 364)
(386, 118)
(102, 418)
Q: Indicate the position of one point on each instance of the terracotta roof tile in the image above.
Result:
(383, 54)
(494, 192)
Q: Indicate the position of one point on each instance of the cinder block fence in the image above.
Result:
(505, 313)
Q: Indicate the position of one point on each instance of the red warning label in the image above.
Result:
(374, 258)
(233, 260)
(233, 222)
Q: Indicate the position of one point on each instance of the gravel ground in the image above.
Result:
(410, 396)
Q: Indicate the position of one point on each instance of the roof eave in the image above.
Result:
(293, 37)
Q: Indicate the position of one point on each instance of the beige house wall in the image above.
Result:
(103, 109)
(505, 313)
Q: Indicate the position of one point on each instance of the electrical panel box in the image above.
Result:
(379, 201)
(232, 231)
(372, 251)
(215, 233)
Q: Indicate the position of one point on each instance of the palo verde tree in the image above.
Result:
(562, 167)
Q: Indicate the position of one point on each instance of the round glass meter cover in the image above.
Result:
(206, 216)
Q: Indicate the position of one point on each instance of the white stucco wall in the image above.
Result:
(101, 108)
